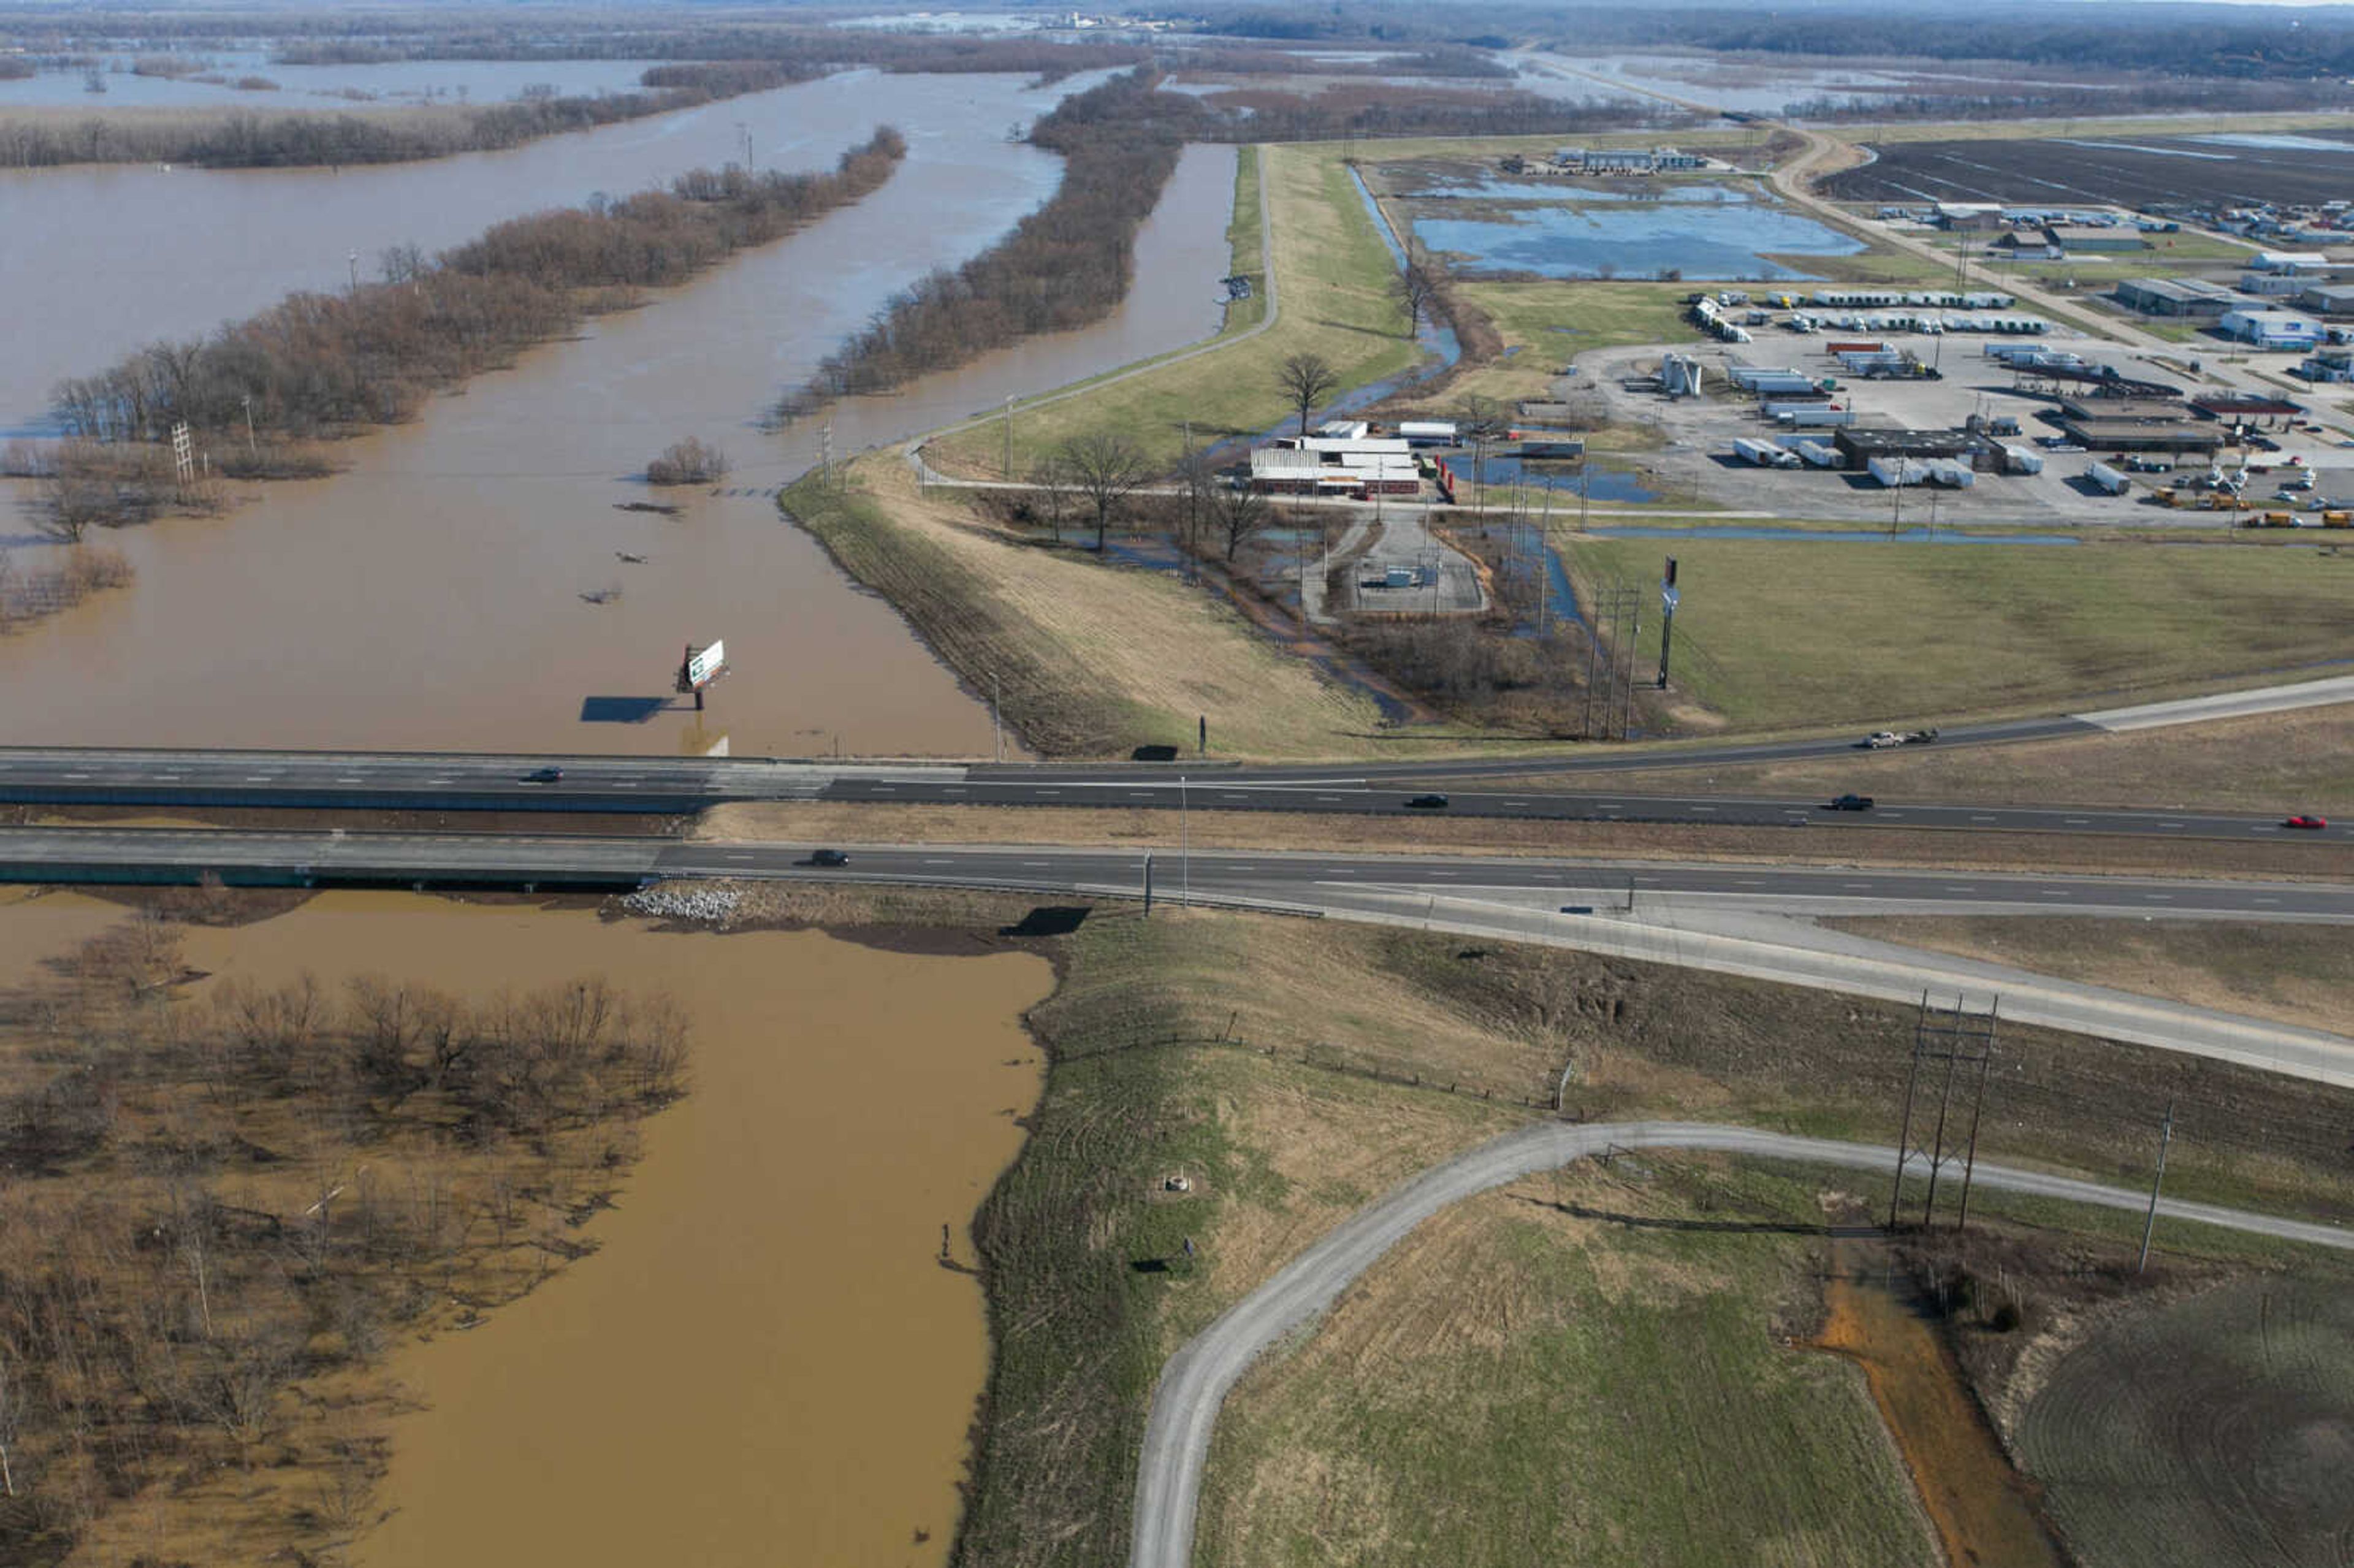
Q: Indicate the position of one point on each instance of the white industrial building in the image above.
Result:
(2272, 328)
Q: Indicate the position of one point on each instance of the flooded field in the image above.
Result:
(765, 1347)
(312, 87)
(433, 595)
(1703, 230)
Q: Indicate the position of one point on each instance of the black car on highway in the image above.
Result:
(1427, 803)
(1850, 803)
(827, 857)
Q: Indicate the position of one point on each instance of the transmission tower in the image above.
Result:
(1951, 1043)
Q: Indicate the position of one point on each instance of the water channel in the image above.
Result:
(432, 595)
(763, 1361)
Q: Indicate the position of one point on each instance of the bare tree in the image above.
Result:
(1199, 478)
(1106, 469)
(13, 1398)
(690, 462)
(1241, 512)
(1307, 380)
(1415, 287)
(1051, 481)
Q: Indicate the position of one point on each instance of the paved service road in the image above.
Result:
(380, 782)
(1196, 1379)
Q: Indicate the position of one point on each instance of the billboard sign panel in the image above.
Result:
(703, 664)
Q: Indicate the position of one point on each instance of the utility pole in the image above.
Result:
(251, 450)
(2165, 1138)
(356, 271)
(1184, 845)
(1148, 884)
(1669, 595)
(825, 454)
(996, 726)
(1006, 462)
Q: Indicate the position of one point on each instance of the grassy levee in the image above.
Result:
(1796, 632)
(1333, 274)
(1517, 1385)
(1274, 1063)
(1087, 658)
(1246, 242)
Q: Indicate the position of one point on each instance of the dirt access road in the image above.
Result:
(1195, 1383)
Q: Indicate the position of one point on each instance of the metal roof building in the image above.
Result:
(2176, 296)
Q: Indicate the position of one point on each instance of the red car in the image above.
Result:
(2305, 822)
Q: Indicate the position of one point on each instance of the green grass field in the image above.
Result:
(1515, 1385)
(1332, 273)
(1784, 633)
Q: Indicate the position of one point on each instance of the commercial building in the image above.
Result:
(2272, 328)
(2080, 238)
(1967, 216)
(1859, 448)
(1626, 160)
(2176, 297)
(2329, 298)
(2229, 409)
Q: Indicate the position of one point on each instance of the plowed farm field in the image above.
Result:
(2218, 1430)
(2226, 169)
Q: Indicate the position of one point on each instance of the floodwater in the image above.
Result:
(431, 597)
(764, 1361)
(1976, 1502)
(38, 924)
(316, 89)
(1690, 231)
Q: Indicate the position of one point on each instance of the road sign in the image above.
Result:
(704, 665)
(1669, 597)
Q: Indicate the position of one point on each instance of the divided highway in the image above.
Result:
(380, 781)
(1300, 879)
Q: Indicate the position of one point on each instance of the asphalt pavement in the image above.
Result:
(1196, 1379)
(451, 782)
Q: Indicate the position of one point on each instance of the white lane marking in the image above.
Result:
(1039, 863)
(2075, 822)
(1139, 794)
(1515, 802)
(1328, 797)
(352, 781)
(1050, 791)
(740, 857)
(1751, 882)
(1442, 873)
(939, 862)
(76, 775)
(1610, 806)
(1338, 871)
(1703, 808)
(882, 788)
(251, 778)
(2264, 901)
(2169, 824)
(1976, 818)
(625, 786)
(2160, 897)
(952, 789)
(1890, 815)
(1961, 887)
(1855, 886)
(2054, 893)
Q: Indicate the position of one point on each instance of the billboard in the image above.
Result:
(703, 666)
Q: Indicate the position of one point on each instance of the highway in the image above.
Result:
(1196, 1379)
(1306, 880)
(451, 782)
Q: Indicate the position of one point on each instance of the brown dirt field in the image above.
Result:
(824, 822)
(2298, 761)
(2294, 974)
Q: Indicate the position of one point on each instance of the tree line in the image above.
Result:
(321, 364)
(215, 1199)
(1374, 110)
(1065, 265)
(242, 139)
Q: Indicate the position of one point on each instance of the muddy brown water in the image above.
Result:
(1976, 1502)
(763, 1363)
(431, 597)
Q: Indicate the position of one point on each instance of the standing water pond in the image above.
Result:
(1585, 229)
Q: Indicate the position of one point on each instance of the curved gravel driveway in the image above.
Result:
(1195, 1382)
